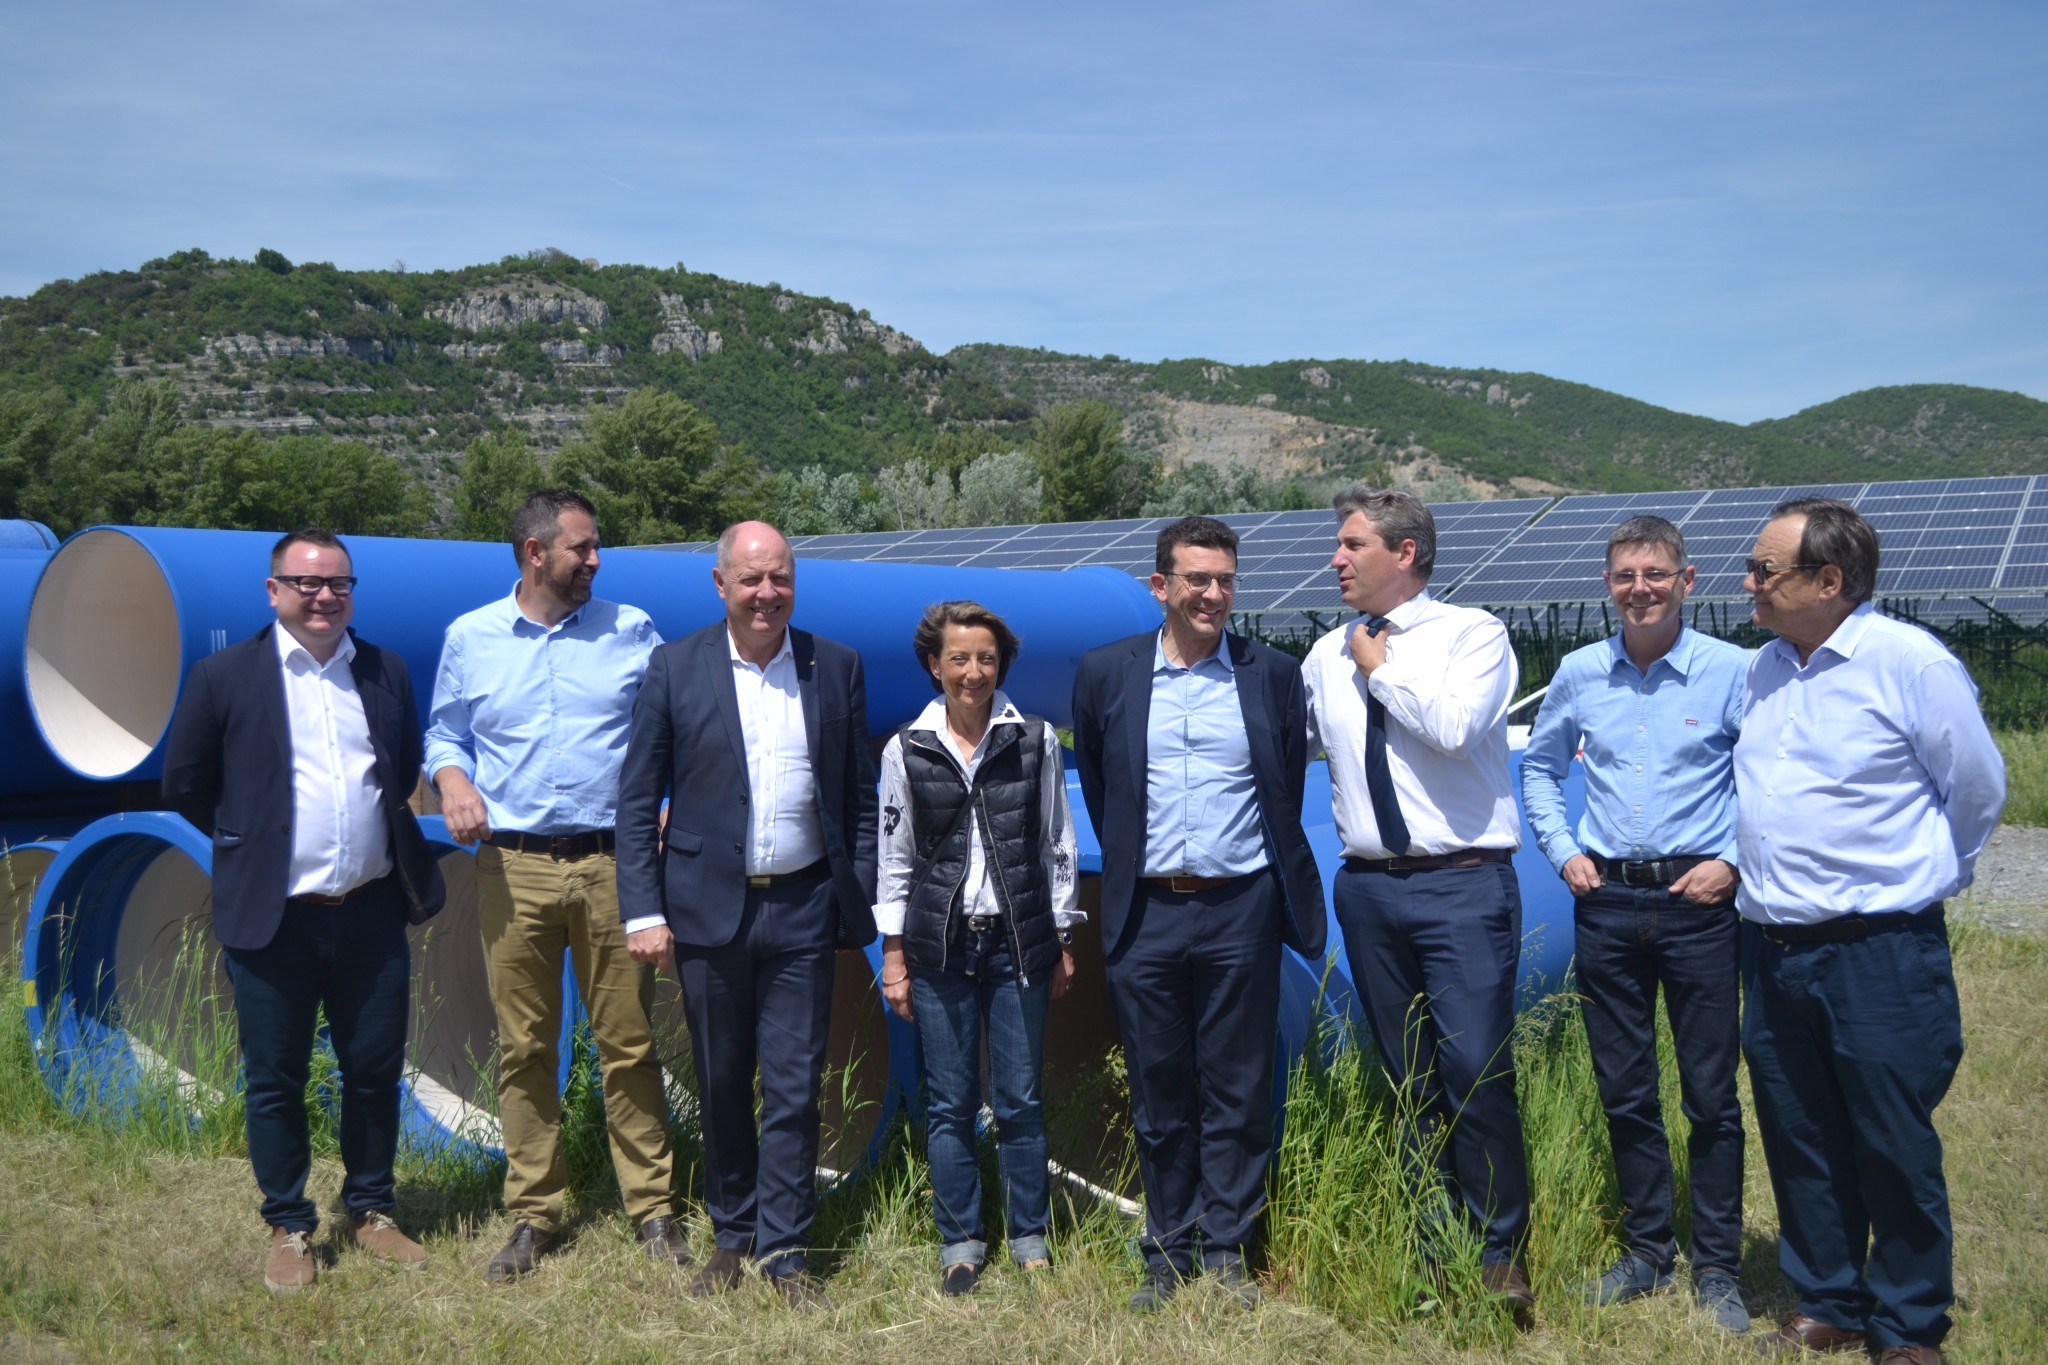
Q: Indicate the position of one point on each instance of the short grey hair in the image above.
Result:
(1836, 534)
(1649, 530)
(1397, 515)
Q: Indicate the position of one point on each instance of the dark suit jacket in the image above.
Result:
(1112, 705)
(687, 745)
(228, 770)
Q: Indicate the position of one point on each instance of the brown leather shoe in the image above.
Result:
(289, 1267)
(799, 1290)
(720, 1275)
(662, 1238)
(1801, 1333)
(375, 1233)
(1915, 1354)
(520, 1254)
(1508, 1283)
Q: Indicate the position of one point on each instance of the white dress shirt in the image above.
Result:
(898, 844)
(339, 841)
(1866, 782)
(1446, 685)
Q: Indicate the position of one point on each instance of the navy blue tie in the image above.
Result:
(1379, 778)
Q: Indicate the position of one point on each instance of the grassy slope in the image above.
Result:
(117, 1246)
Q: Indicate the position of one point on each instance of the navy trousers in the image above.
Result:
(1434, 956)
(1851, 1045)
(1196, 988)
(763, 1002)
(353, 960)
(1630, 941)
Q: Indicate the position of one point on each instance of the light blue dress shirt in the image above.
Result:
(536, 716)
(1659, 752)
(1867, 780)
(1201, 811)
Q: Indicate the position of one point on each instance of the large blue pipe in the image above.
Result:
(121, 613)
(29, 765)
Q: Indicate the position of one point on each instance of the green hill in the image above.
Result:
(251, 372)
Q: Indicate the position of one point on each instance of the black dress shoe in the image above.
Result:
(1231, 1277)
(720, 1275)
(520, 1254)
(663, 1238)
(959, 1279)
(1162, 1282)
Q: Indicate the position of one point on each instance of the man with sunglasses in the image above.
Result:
(1654, 713)
(1192, 747)
(318, 866)
(1867, 783)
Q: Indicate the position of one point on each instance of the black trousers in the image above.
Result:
(352, 959)
(763, 1002)
(1196, 990)
(1433, 956)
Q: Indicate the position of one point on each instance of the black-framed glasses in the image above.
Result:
(1199, 581)
(309, 584)
(1763, 571)
(1628, 578)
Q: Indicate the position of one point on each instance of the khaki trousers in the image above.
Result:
(531, 907)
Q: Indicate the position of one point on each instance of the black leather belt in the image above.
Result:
(1187, 886)
(1646, 872)
(1430, 862)
(981, 924)
(1847, 928)
(343, 899)
(563, 848)
(802, 874)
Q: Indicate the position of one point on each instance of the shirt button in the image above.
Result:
(737, 849)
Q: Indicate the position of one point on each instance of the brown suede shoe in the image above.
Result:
(289, 1266)
(1509, 1285)
(375, 1233)
(1801, 1333)
(799, 1290)
(1915, 1354)
(720, 1275)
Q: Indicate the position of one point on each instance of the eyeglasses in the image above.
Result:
(309, 585)
(1199, 581)
(1628, 578)
(1763, 571)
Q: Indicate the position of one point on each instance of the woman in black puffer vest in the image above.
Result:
(976, 893)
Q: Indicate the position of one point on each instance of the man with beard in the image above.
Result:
(532, 704)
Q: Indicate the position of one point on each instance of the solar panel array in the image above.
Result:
(1940, 539)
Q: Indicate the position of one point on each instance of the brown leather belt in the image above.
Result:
(802, 874)
(1845, 928)
(563, 848)
(1645, 872)
(1188, 885)
(343, 899)
(1430, 862)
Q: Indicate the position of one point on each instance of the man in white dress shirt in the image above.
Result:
(1866, 785)
(757, 733)
(1411, 706)
(296, 751)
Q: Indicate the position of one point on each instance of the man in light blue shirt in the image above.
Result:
(532, 703)
(1867, 784)
(1192, 745)
(1655, 712)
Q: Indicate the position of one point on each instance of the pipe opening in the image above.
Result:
(104, 657)
(450, 1047)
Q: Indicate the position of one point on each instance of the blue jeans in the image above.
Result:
(353, 959)
(979, 995)
(1631, 941)
(1851, 1046)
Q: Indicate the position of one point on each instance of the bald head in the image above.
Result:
(744, 536)
(756, 575)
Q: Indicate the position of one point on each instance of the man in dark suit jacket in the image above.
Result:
(1192, 745)
(296, 751)
(758, 735)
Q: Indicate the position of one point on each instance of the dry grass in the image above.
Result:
(109, 1249)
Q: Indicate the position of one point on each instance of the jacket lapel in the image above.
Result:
(270, 704)
(1251, 700)
(718, 668)
(805, 651)
(1138, 710)
(378, 704)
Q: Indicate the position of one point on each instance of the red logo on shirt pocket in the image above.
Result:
(1691, 721)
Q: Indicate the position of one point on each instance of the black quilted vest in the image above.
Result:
(1004, 803)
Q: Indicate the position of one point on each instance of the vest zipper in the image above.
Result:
(988, 843)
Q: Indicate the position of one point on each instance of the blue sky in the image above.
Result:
(1736, 209)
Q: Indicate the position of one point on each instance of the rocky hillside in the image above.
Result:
(418, 364)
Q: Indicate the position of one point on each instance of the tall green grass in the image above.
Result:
(2026, 776)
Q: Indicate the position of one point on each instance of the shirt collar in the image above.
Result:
(1221, 653)
(519, 620)
(1679, 656)
(933, 717)
(1411, 612)
(732, 651)
(1842, 644)
(289, 647)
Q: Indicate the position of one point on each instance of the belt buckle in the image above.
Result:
(980, 924)
(766, 879)
(561, 847)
